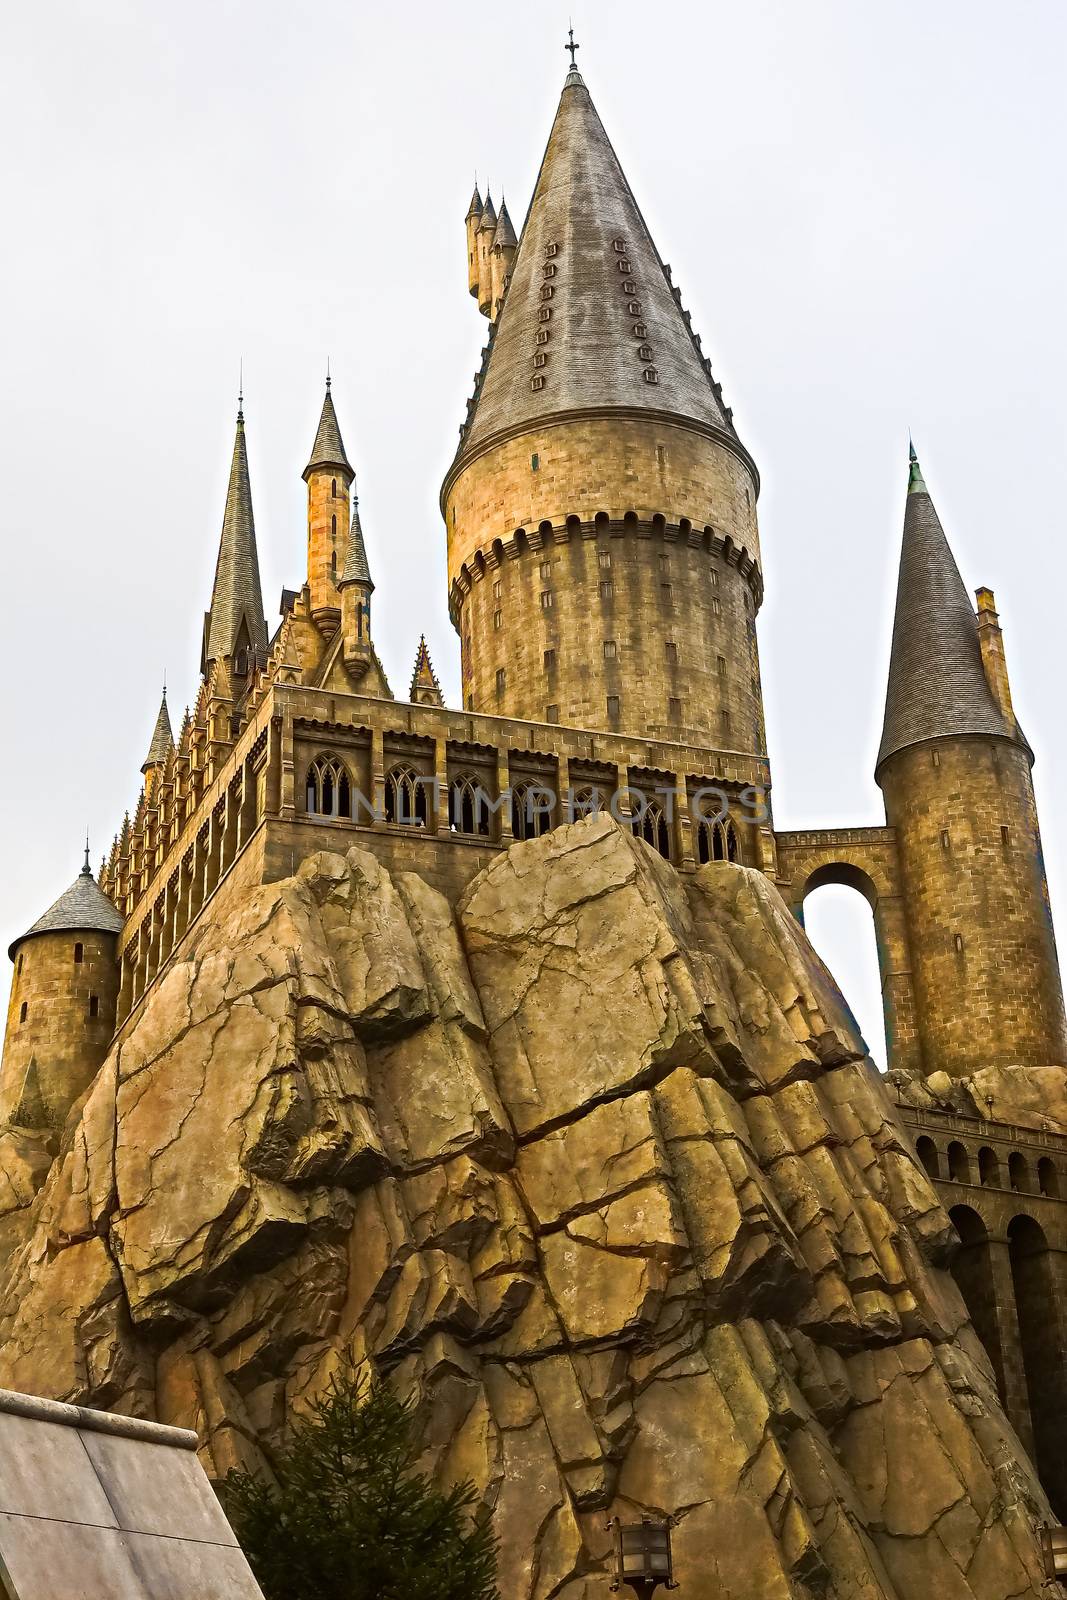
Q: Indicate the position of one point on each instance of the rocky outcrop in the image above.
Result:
(594, 1166)
(1028, 1097)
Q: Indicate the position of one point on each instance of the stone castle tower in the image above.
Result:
(604, 580)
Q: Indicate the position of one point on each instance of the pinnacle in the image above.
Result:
(236, 610)
(328, 449)
(357, 567)
(161, 746)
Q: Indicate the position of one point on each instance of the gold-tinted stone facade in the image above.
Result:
(983, 951)
(604, 573)
(378, 867)
(60, 1020)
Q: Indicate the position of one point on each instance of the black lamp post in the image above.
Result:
(642, 1556)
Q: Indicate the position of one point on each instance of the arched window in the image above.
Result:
(405, 797)
(78, 953)
(585, 802)
(650, 824)
(988, 1168)
(333, 564)
(1048, 1179)
(716, 841)
(926, 1150)
(333, 525)
(1018, 1173)
(329, 792)
(959, 1163)
(468, 809)
(333, 491)
(531, 810)
(24, 1011)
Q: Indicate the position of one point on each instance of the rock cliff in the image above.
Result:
(593, 1165)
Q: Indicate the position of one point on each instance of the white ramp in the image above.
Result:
(102, 1507)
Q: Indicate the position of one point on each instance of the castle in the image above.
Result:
(605, 580)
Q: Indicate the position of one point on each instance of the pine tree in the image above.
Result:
(349, 1517)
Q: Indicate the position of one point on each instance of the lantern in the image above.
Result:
(1054, 1550)
(642, 1556)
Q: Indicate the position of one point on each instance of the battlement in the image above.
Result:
(428, 788)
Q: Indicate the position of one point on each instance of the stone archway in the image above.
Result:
(864, 860)
(972, 1269)
(1043, 1354)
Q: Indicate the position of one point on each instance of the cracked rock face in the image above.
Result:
(593, 1166)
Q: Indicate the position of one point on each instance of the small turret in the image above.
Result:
(485, 237)
(61, 1014)
(473, 220)
(160, 748)
(328, 476)
(356, 587)
(954, 769)
(994, 660)
(425, 689)
(505, 245)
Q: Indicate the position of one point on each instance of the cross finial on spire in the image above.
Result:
(327, 374)
(241, 391)
(87, 870)
(572, 47)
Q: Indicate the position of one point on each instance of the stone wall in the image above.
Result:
(543, 557)
(1004, 1184)
(592, 1165)
(983, 951)
(60, 1019)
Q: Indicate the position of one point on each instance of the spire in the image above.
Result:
(489, 218)
(937, 683)
(328, 449)
(160, 748)
(505, 233)
(588, 274)
(236, 614)
(425, 689)
(357, 567)
(475, 207)
(84, 907)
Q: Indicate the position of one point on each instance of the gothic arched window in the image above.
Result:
(531, 810)
(468, 808)
(585, 803)
(405, 797)
(650, 824)
(329, 791)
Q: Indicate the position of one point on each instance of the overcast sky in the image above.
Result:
(863, 206)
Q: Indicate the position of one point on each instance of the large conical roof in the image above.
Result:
(83, 908)
(937, 683)
(583, 245)
(162, 738)
(329, 448)
(236, 596)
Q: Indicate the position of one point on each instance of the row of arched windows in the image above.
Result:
(1019, 1175)
(329, 793)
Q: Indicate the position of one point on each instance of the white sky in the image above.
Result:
(862, 205)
